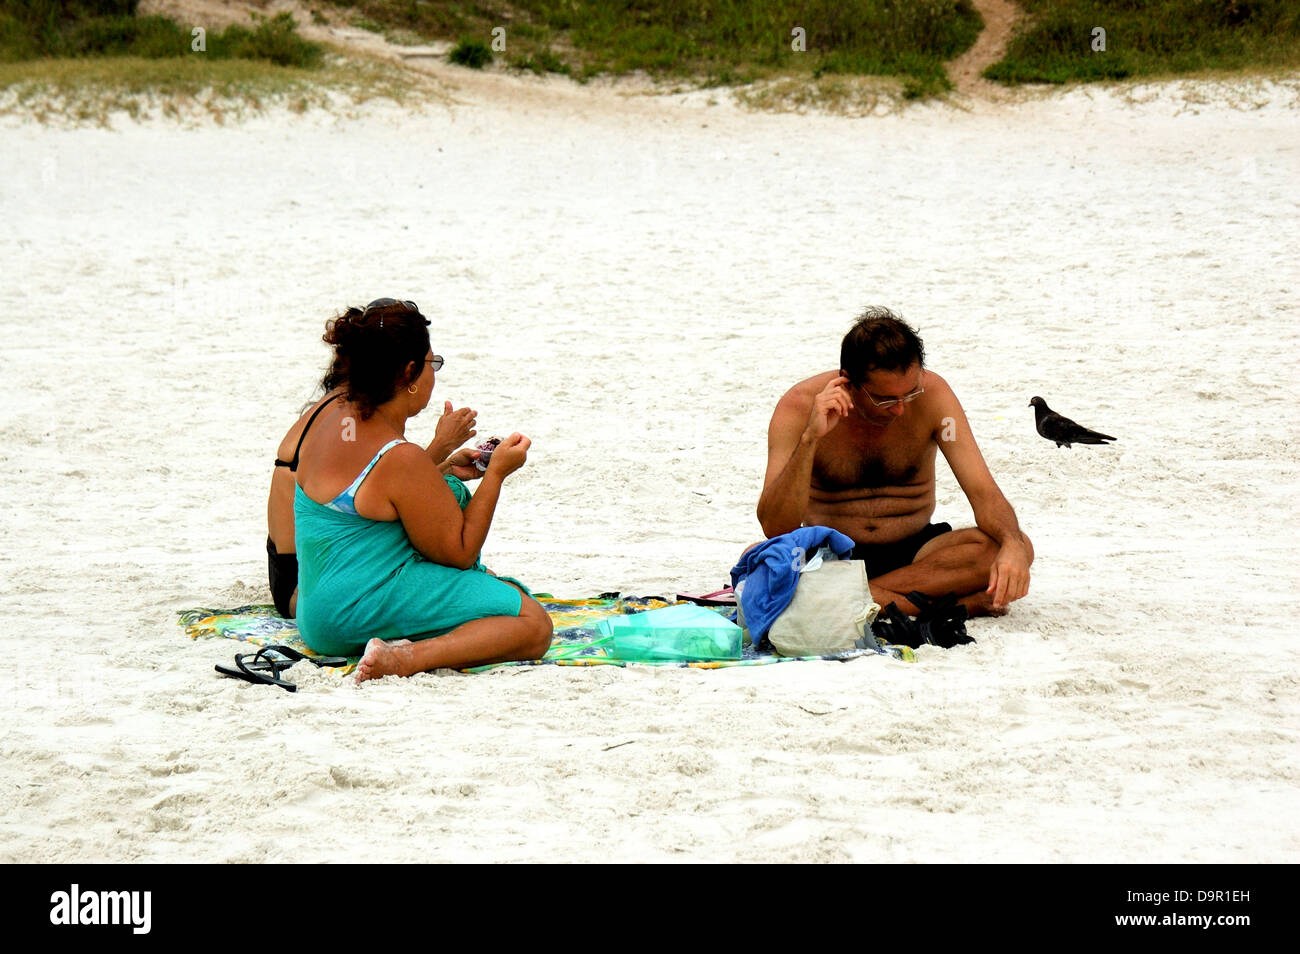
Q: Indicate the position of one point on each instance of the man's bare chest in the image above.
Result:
(860, 460)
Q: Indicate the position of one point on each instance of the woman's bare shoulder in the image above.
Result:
(402, 464)
(290, 440)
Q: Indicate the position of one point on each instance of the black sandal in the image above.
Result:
(894, 626)
(292, 656)
(270, 661)
(942, 621)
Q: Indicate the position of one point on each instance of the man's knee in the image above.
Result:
(988, 548)
(979, 546)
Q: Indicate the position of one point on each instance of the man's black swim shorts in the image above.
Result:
(881, 558)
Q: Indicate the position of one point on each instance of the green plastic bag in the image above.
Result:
(681, 633)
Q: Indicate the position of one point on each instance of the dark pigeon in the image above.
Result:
(1061, 429)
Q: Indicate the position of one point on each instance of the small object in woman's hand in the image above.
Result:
(485, 453)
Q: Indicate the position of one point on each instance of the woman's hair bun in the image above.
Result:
(373, 350)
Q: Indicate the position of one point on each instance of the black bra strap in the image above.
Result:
(293, 464)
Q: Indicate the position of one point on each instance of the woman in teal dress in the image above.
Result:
(388, 541)
(455, 426)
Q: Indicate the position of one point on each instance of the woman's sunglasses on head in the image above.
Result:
(384, 303)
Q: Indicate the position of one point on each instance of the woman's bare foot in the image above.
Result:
(384, 659)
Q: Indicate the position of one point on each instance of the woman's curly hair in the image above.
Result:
(373, 350)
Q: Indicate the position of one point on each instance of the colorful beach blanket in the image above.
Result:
(572, 645)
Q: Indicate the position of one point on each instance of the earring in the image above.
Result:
(412, 389)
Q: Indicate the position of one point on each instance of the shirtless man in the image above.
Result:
(854, 449)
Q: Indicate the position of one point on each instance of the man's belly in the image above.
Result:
(880, 515)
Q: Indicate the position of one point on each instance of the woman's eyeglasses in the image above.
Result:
(435, 362)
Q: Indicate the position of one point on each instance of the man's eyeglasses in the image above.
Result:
(892, 402)
(435, 362)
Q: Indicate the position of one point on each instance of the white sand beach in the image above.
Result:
(633, 281)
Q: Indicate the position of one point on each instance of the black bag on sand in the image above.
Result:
(941, 622)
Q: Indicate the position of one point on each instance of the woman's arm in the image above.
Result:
(433, 520)
(453, 429)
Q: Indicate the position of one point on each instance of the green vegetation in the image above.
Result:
(31, 29)
(712, 41)
(472, 53)
(1148, 38)
(544, 61)
(94, 56)
(83, 60)
(92, 89)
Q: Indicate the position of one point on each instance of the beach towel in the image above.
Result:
(572, 645)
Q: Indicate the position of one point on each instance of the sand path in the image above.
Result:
(999, 18)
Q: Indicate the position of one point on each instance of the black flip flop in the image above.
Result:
(270, 661)
(259, 672)
(292, 656)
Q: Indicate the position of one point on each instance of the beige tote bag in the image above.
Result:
(832, 609)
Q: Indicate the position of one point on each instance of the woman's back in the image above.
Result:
(281, 549)
(279, 504)
(362, 458)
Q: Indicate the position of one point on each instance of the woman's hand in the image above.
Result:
(454, 428)
(461, 464)
(509, 455)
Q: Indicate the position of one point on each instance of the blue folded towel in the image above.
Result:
(770, 572)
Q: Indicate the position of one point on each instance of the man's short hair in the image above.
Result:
(879, 341)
